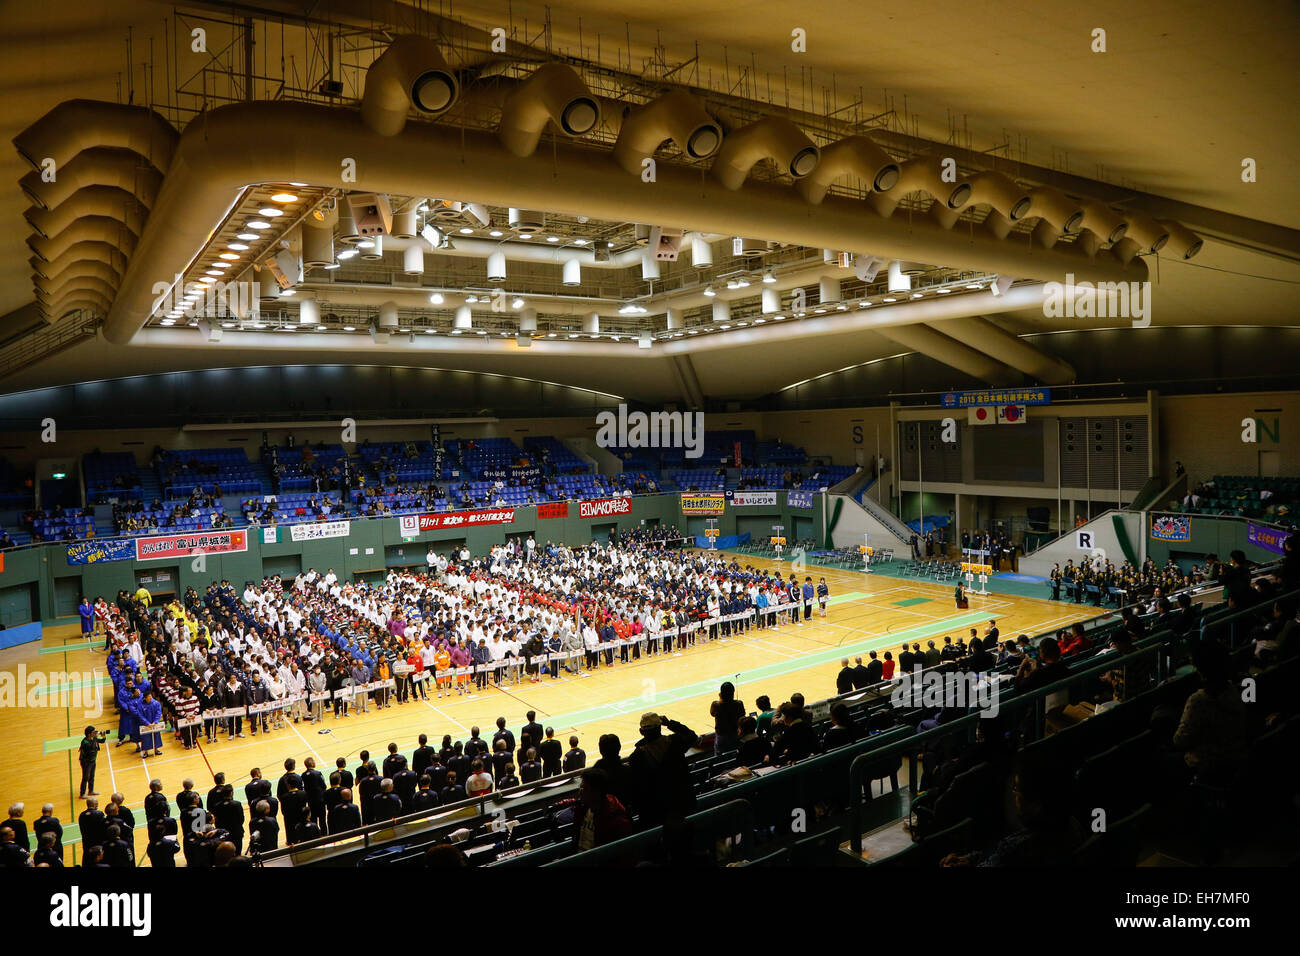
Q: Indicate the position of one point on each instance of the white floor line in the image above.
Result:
(306, 742)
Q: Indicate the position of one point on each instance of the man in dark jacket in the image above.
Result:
(844, 680)
(661, 782)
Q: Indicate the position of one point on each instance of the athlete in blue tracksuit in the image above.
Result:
(149, 711)
(127, 722)
(807, 598)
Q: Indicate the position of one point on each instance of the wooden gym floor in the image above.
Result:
(867, 612)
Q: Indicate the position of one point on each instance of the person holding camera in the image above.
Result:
(87, 755)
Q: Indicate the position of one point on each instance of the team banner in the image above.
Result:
(462, 519)
(602, 507)
(1171, 527)
(744, 498)
(322, 529)
(998, 396)
(799, 499)
(183, 545)
(706, 504)
(553, 509)
(1270, 539)
(105, 549)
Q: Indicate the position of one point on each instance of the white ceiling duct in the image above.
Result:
(1101, 219)
(76, 125)
(828, 290)
(89, 270)
(1087, 241)
(427, 159)
(528, 320)
(317, 245)
(410, 73)
(853, 156)
(404, 224)
(496, 266)
(87, 302)
(92, 203)
(75, 256)
(649, 266)
(1183, 243)
(553, 92)
(673, 319)
(54, 303)
(308, 311)
(701, 251)
(387, 316)
(88, 229)
(922, 174)
(1126, 249)
(268, 288)
(1001, 193)
(95, 167)
(676, 115)
(375, 251)
(771, 138)
(1055, 207)
(591, 323)
(998, 224)
(1150, 235)
(898, 280)
(464, 320)
(572, 272)
(721, 311)
(347, 227)
(770, 301)
(413, 260)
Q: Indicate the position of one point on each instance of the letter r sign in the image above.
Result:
(1084, 540)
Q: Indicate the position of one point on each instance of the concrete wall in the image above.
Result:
(1204, 432)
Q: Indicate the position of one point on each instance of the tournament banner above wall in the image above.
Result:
(602, 507)
(105, 549)
(1270, 539)
(799, 499)
(998, 396)
(321, 529)
(461, 519)
(553, 509)
(743, 498)
(706, 504)
(161, 546)
(1171, 527)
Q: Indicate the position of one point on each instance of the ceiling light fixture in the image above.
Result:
(229, 256)
(258, 224)
(465, 230)
(248, 236)
(435, 298)
(708, 290)
(237, 246)
(579, 242)
(270, 212)
(284, 197)
(768, 277)
(496, 233)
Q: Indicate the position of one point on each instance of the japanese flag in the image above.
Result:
(981, 415)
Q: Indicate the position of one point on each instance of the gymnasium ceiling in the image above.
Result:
(1166, 115)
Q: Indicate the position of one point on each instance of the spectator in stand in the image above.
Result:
(1212, 734)
(726, 712)
(1048, 832)
(600, 816)
(661, 782)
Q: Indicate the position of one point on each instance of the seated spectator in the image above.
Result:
(1212, 733)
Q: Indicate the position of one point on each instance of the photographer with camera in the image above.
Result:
(87, 755)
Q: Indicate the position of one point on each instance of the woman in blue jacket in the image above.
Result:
(149, 711)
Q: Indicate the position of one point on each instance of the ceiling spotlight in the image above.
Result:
(708, 290)
(321, 328)
(227, 325)
(551, 335)
(943, 291)
(167, 322)
(332, 265)
(259, 325)
(347, 254)
(843, 307)
(496, 234)
(471, 299)
(349, 328)
(552, 238)
(259, 224)
(760, 320)
(733, 284)
(768, 277)
(525, 235)
(248, 236)
(270, 212)
(916, 295)
(288, 292)
(890, 298)
(366, 244)
(692, 331)
(455, 331)
(974, 285)
(215, 272)
(518, 303)
(820, 311)
(435, 298)
(299, 185)
(229, 256)
(579, 242)
(481, 331)
(220, 265)
(573, 335)
(237, 246)
(284, 197)
(742, 283)
(724, 326)
(430, 331)
(465, 230)
(864, 304)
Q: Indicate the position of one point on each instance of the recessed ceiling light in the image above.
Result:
(289, 292)
(579, 242)
(270, 212)
(471, 299)
(552, 238)
(435, 298)
(299, 185)
(890, 298)
(573, 335)
(481, 331)
(259, 224)
(215, 272)
(693, 331)
(518, 303)
(284, 197)
(944, 291)
(843, 307)
(741, 325)
(321, 328)
(206, 281)
(820, 311)
(229, 256)
(227, 325)
(724, 326)
(238, 246)
(259, 325)
(863, 304)
(974, 285)
(708, 290)
(778, 316)
(742, 283)
(768, 277)
(916, 295)
(429, 331)
(465, 230)
(167, 322)
(220, 265)
(455, 331)
(496, 234)
(248, 236)
(551, 335)
(349, 328)
(760, 321)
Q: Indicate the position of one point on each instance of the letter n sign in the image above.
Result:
(1085, 541)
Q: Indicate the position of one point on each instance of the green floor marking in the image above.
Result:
(911, 601)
